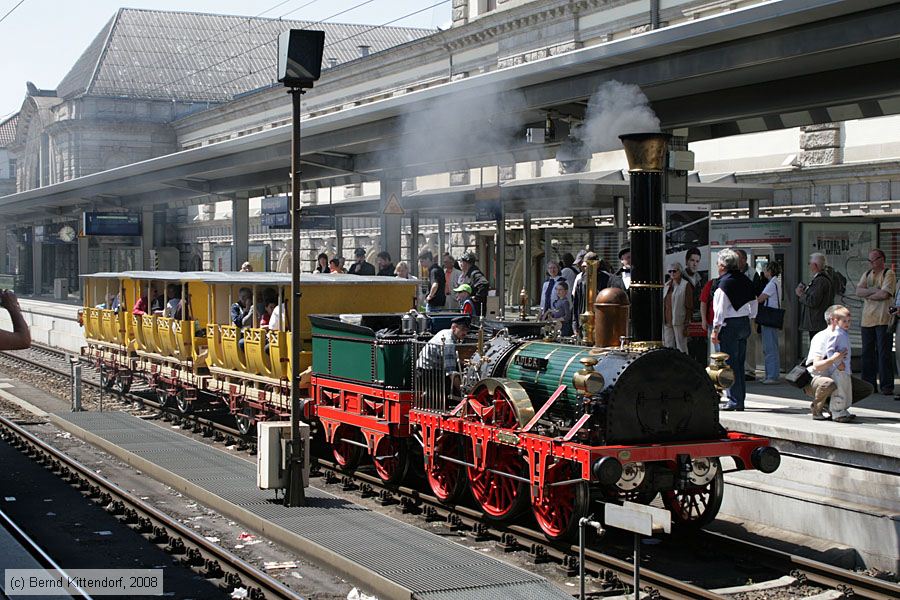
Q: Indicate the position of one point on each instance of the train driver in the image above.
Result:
(440, 351)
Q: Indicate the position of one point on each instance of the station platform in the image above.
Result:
(838, 482)
(384, 556)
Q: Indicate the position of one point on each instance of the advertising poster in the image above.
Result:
(258, 257)
(687, 242)
(846, 248)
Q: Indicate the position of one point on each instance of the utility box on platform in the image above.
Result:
(271, 457)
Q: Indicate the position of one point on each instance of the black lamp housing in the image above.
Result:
(300, 57)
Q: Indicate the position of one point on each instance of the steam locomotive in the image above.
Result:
(518, 419)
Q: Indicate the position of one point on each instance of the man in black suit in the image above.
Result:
(622, 278)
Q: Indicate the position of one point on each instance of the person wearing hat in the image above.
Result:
(622, 278)
(361, 267)
(439, 354)
(464, 298)
(472, 275)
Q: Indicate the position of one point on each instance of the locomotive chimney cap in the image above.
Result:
(646, 151)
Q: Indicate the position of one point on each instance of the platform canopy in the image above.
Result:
(769, 66)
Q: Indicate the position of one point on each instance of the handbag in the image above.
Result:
(770, 317)
(799, 376)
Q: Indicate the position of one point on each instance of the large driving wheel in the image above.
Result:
(346, 453)
(563, 505)
(698, 504)
(501, 489)
(391, 459)
(446, 477)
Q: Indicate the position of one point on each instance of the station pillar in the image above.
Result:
(4, 251)
(621, 218)
(147, 226)
(338, 236)
(83, 261)
(501, 259)
(442, 239)
(391, 211)
(240, 228)
(528, 279)
(414, 240)
(37, 264)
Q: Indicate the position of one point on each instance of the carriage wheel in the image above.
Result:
(184, 404)
(123, 383)
(107, 378)
(563, 505)
(244, 420)
(696, 505)
(446, 478)
(347, 455)
(391, 460)
(501, 497)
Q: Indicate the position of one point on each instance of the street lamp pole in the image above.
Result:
(296, 495)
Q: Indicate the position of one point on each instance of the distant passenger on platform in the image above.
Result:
(561, 309)
(246, 268)
(548, 290)
(734, 304)
(471, 274)
(322, 264)
(242, 312)
(402, 271)
(451, 279)
(386, 266)
(877, 287)
(771, 297)
(815, 297)
(20, 337)
(622, 277)
(678, 308)
(568, 269)
(361, 267)
(464, 300)
(334, 266)
(435, 298)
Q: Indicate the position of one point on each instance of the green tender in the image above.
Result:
(562, 364)
(352, 352)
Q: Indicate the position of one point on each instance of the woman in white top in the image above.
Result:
(771, 297)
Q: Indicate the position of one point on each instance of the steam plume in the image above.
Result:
(614, 109)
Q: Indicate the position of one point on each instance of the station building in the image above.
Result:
(154, 84)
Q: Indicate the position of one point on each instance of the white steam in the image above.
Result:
(614, 109)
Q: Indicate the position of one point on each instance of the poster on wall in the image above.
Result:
(221, 258)
(687, 243)
(846, 248)
(258, 257)
(724, 234)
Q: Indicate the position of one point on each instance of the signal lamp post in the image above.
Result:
(299, 66)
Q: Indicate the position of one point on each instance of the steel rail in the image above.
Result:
(214, 561)
(851, 583)
(597, 563)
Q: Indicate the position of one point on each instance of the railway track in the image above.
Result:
(192, 549)
(609, 572)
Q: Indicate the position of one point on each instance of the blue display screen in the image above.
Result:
(97, 223)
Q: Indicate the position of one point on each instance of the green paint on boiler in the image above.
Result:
(562, 362)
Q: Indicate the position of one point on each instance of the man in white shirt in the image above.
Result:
(440, 351)
(734, 304)
(821, 387)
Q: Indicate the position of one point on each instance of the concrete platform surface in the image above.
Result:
(391, 558)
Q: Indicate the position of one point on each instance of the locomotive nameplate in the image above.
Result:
(534, 363)
(505, 437)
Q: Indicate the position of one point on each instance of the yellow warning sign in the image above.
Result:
(392, 207)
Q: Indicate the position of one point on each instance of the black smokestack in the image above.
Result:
(646, 153)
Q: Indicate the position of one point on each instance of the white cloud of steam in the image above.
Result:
(614, 109)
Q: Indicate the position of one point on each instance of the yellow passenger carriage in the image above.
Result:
(249, 364)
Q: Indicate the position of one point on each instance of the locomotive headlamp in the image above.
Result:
(588, 381)
(719, 372)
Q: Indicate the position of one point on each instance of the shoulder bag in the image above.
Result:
(799, 376)
(770, 317)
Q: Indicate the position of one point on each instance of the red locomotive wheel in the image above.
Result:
(696, 506)
(446, 478)
(501, 497)
(391, 460)
(347, 455)
(563, 505)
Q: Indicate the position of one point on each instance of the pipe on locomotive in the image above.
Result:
(646, 154)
